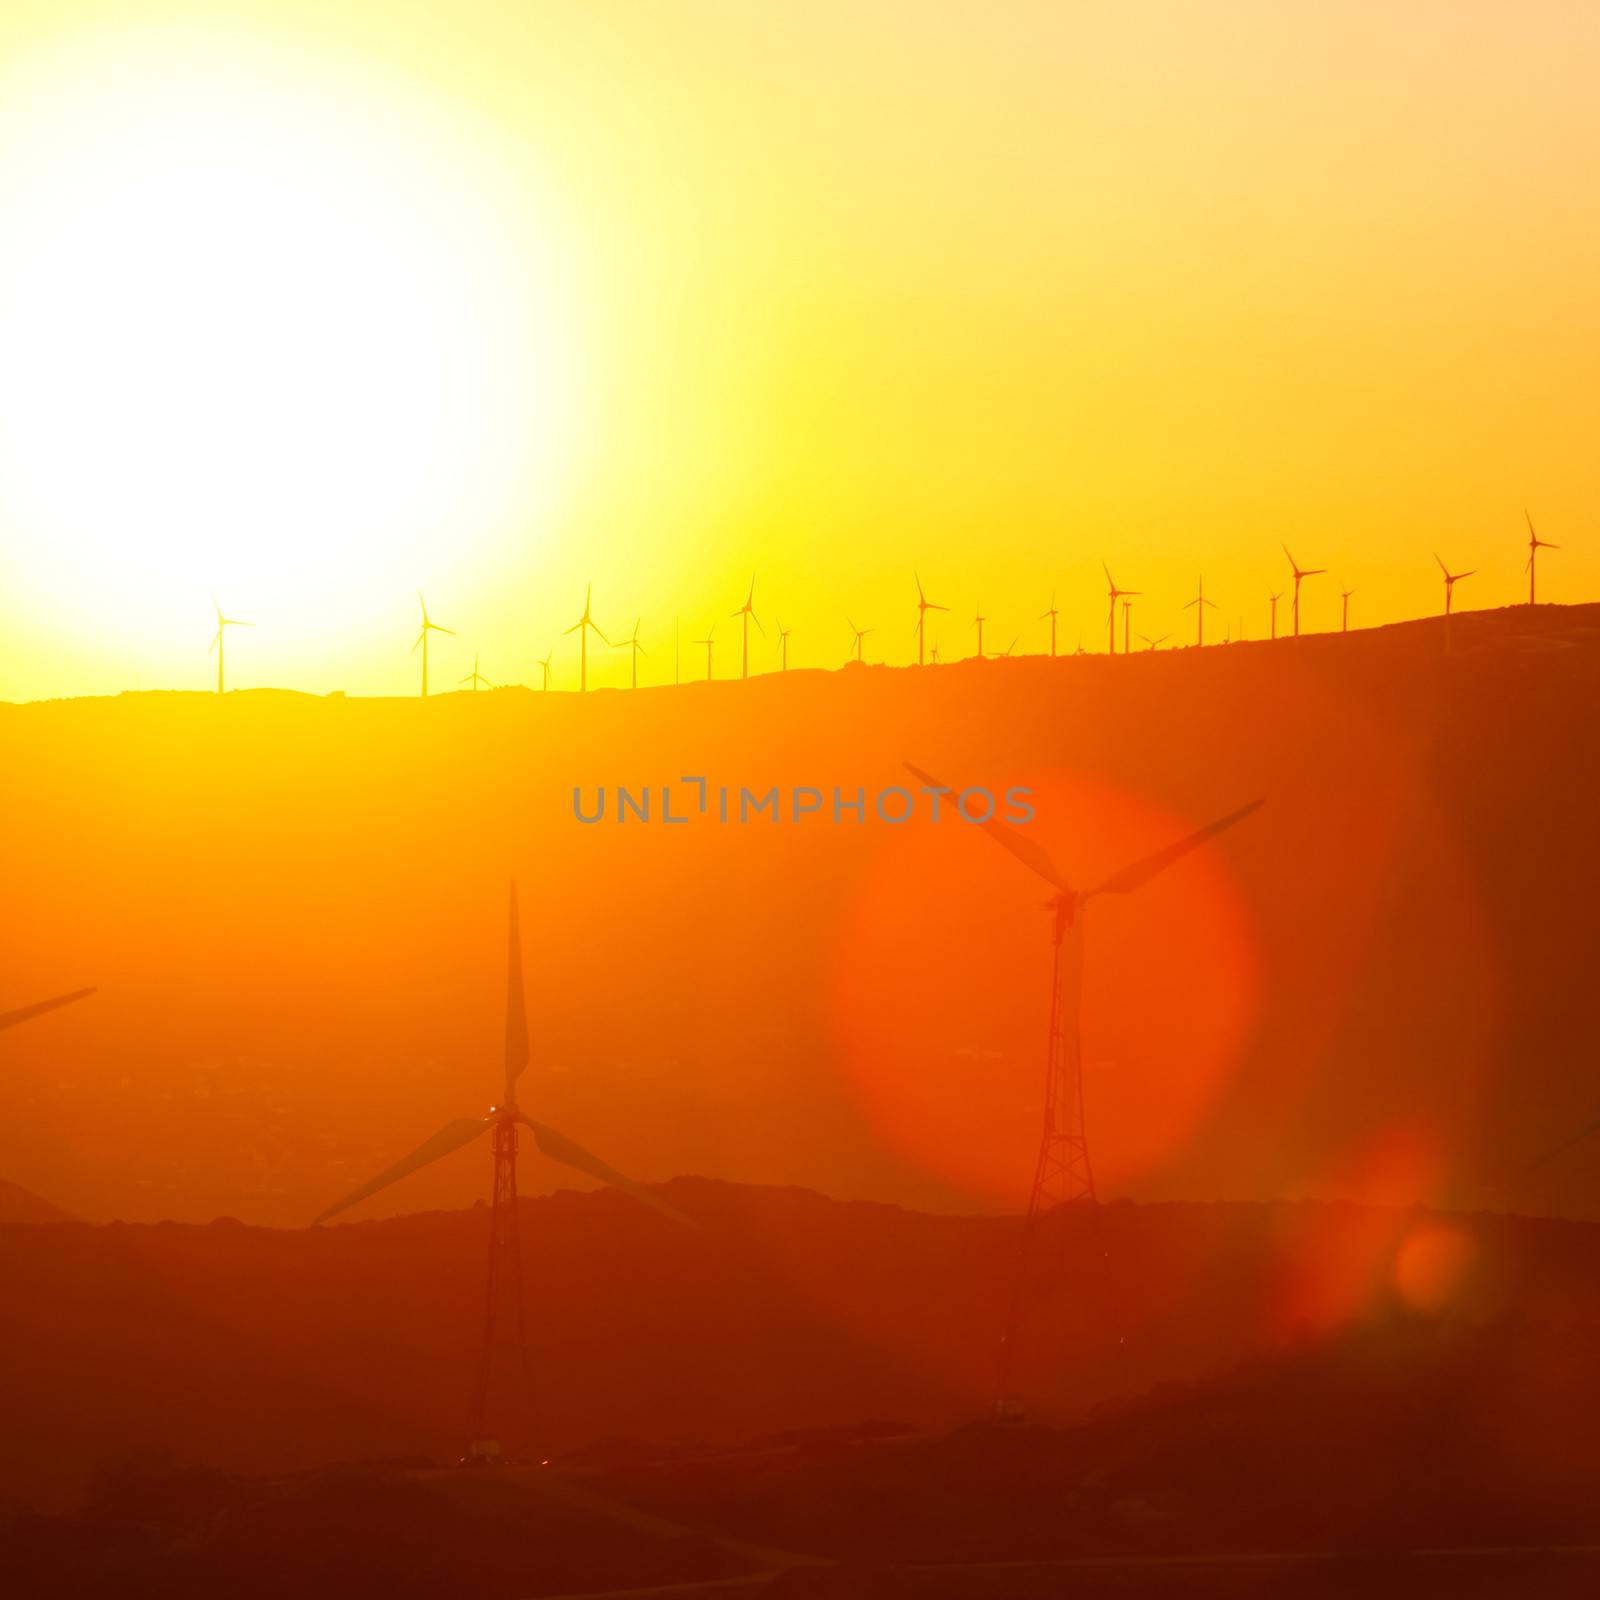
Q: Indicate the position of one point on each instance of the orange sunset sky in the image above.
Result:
(308, 307)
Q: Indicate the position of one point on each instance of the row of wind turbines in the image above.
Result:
(926, 654)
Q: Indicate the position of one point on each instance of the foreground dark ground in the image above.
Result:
(1372, 1463)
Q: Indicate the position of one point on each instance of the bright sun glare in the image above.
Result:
(271, 327)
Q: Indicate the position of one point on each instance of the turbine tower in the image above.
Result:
(1052, 614)
(504, 1353)
(783, 646)
(10, 1019)
(1535, 545)
(1344, 616)
(217, 644)
(1127, 620)
(1451, 579)
(632, 643)
(1116, 595)
(581, 627)
(711, 634)
(1200, 603)
(1310, 572)
(978, 621)
(748, 612)
(1063, 1177)
(1274, 595)
(924, 606)
(428, 626)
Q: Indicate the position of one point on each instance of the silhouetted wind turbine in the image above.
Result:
(581, 627)
(1310, 572)
(978, 621)
(1127, 618)
(1451, 579)
(711, 634)
(860, 634)
(428, 627)
(1052, 614)
(504, 1330)
(748, 612)
(933, 655)
(1535, 545)
(1151, 644)
(1344, 617)
(1116, 595)
(1200, 603)
(783, 646)
(218, 643)
(9, 1019)
(1062, 1174)
(475, 677)
(544, 668)
(924, 606)
(1274, 596)
(632, 643)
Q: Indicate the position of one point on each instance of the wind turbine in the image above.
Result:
(933, 655)
(1311, 572)
(860, 634)
(504, 1327)
(1063, 1176)
(1274, 596)
(581, 627)
(711, 634)
(223, 624)
(1127, 616)
(428, 627)
(1451, 579)
(978, 621)
(1116, 595)
(1535, 545)
(544, 668)
(632, 643)
(1200, 603)
(1052, 613)
(9, 1019)
(475, 677)
(924, 606)
(1151, 644)
(748, 612)
(783, 646)
(1344, 618)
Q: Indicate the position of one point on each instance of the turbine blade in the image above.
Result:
(558, 1147)
(574, 628)
(516, 1008)
(1471, 572)
(1024, 849)
(1442, 567)
(449, 1138)
(437, 629)
(1139, 873)
(10, 1019)
(1585, 1132)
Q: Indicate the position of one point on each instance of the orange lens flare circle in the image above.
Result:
(939, 992)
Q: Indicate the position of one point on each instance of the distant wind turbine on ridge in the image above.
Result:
(1451, 579)
(504, 1328)
(1274, 596)
(631, 643)
(1127, 622)
(1535, 545)
(1152, 644)
(1199, 603)
(711, 634)
(748, 612)
(581, 627)
(783, 646)
(1116, 595)
(859, 634)
(1299, 575)
(544, 668)
(428, 626)
(978, 621)
(924, 606)
(1052, 614)
(218, 642)
(1344, 616)
(475, 677)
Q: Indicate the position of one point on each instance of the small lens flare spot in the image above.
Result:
(1432, 1266)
